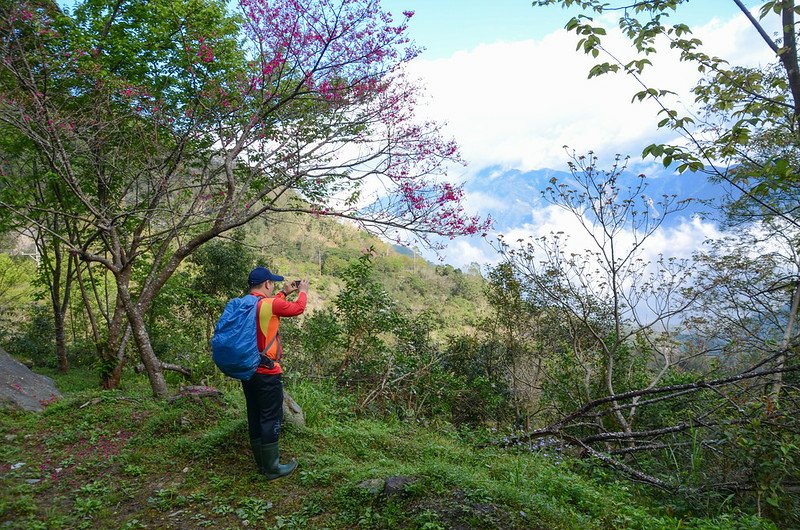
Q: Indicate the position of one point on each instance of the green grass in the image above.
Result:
(123, 460)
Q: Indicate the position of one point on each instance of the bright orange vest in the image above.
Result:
(268, 325)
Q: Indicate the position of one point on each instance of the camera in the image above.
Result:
(296, 284)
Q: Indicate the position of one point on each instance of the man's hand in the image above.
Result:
(290, 287)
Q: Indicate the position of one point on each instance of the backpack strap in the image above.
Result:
(265, 360)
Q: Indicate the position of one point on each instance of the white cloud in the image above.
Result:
(682, 240)
(482, 202)
(514, 105)
(517, 103)
(463, 252)
(678, 241)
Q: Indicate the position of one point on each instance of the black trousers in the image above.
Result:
(264, 396)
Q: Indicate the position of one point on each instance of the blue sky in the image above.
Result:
(445, 27)
(505, 78)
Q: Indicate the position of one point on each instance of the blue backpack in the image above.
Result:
(234, 347)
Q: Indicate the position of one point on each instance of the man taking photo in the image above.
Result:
(263, 392)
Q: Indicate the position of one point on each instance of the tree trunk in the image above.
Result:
(788, 56)
(61, 342)
(787, 338)
(87, 305)
(59, 301)
(112, 351)
(58, 314)
(111, 379)
(61, 312)
(136, 321)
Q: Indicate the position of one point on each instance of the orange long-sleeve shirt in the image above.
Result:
(270, 311)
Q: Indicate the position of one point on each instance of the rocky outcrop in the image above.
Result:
(23, 389)
(292, 413)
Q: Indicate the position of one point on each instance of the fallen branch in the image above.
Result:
(632, 436)
(626, 469)
(557, 427)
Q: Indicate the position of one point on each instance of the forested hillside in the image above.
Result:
(321, 250)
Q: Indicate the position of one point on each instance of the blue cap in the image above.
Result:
(260, 274)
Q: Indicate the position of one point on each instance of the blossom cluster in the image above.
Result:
(333, 47)
(318, 103)
(205, 53)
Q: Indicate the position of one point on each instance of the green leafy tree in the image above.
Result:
(474, 391)
(511, 338)
(322, 344)
(220, 270)
(367, 315)
(199, 120)
(56, 266)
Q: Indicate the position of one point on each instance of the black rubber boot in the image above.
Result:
(270, 458)
(255, 445)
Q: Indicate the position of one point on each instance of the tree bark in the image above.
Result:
(112, 379)
(61, 342)
(787, 338)
(52, 266)
(87, 305)
(788, 56)
(112, 350)
(60, 309)
(151, 363)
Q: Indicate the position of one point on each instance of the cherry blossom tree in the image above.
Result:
(170, 123)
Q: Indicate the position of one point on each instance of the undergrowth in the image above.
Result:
(101, 459)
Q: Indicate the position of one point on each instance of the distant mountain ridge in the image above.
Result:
(511, 196)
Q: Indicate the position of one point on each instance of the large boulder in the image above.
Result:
(20, 388)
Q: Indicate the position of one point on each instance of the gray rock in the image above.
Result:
(374, 485)
(395, 485)
(196, 392)
(20, 388)
(292, 413)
